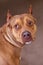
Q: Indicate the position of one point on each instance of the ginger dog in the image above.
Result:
(18, 31)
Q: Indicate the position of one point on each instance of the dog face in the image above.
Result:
(23, 27)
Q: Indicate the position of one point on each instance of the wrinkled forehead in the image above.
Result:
(22, 17)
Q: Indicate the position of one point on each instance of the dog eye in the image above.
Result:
(30, 23)
(17, 26)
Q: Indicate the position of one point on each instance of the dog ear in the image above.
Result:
(30, 9)
(8, 16)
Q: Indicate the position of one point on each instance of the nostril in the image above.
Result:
(27, 34)
(24, 35)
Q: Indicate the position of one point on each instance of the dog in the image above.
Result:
(18, 31)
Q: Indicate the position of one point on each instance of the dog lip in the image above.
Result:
(28, 39)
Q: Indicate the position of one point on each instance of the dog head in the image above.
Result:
(23, 26)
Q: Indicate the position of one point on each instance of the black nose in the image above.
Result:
(26, 34)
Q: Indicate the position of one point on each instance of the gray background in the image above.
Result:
(31, 54)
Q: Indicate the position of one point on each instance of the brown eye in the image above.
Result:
(17, 26)
(29, 23)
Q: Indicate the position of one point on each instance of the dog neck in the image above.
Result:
(10, 38)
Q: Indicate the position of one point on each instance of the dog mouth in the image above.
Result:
(27, 40)
(26, 37)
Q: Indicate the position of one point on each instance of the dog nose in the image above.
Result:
(26, 34)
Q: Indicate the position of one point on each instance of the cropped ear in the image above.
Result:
(30, 9)
(8, 16)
